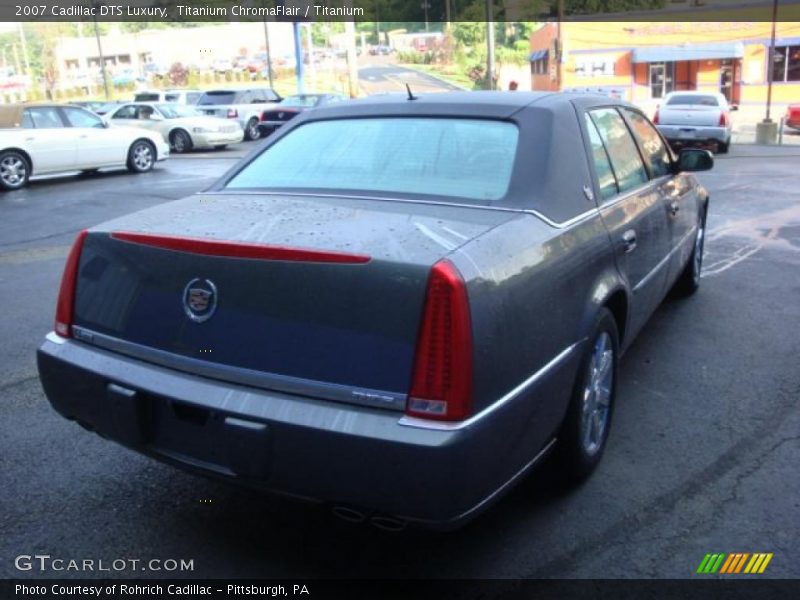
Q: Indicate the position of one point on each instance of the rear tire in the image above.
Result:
(722, 148)
(689, 280)
(251, 130)
(14, 170)
(584, 432)
(180, 141)
(141, 156)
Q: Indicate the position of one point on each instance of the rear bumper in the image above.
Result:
(310, 449)
(207, 140)
(693, 134)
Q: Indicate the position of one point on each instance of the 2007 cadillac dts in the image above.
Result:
(396, 306)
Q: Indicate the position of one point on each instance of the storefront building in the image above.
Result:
(642, 62)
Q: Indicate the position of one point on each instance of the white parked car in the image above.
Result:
(58, 138)
(695, 119)
(242, 105)
(187, 97)
(182, 127)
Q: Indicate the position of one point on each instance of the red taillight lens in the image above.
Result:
(441, 387)
(655, 118)
(723, 119)
(232, 113)
(65, 308)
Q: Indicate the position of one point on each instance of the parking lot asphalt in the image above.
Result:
(702, 458)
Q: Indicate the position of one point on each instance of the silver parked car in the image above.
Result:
(245, 105)
(395, 307)
(695, 118)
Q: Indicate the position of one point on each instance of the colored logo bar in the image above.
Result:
(734, 563)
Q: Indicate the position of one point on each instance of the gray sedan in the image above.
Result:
(397, 306)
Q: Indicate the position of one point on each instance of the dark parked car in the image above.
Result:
(395, 307)
(244, 105)
(291, 106)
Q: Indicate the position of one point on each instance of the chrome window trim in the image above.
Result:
(508, 209)
(421, 423)
(643, 281)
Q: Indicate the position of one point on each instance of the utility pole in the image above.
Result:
(559, 44)
(299, 68)
(268, 52)
(352, 60)
(24, 43)
(312, 70)
(426, 6)
(100, 53)
(490, 43)
(767, 130)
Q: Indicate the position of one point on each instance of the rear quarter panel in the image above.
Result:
(533, 291)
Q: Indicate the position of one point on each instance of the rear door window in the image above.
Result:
(653, 147)
(45, 117)
(82, 118)
(625, 158)
(602, 164)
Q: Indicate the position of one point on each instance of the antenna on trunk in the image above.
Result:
(410, 95)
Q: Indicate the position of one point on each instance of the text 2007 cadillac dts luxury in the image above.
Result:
(397, 306)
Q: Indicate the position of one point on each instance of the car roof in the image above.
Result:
(478, 104)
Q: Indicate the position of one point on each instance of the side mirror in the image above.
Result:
(695, 159)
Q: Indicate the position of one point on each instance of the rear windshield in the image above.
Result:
(692, 100)
(460, 158)
(212, 98)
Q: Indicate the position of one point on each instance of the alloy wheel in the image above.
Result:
(597, 394)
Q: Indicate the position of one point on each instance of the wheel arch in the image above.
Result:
(153, 145)
(24, 154)
(611, 292)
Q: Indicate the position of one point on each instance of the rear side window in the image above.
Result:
(625, 158)
(693, 100)
(45, 117)
(605, 174)
(654, 150)
(27, 122)
(461, 158)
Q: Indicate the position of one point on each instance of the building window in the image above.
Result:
(539, 66)
(786, 64)
(662, 79)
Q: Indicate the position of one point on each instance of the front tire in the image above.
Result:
(584, 433)
(14, 170)
(180, 141)
(251, 130)
(689, 280)
(141, 156)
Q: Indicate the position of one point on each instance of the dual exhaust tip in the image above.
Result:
(383, 522)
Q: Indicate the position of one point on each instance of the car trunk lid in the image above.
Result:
(315, 296)
(690, 115)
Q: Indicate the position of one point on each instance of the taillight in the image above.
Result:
(65, 308)
(655, 118)
(441, 386)
(723, 119)
(232, 113)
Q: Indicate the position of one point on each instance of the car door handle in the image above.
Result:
(84, 136)
(673, 207)
(629, 241)
(30, 139)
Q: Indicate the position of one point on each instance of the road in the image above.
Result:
(379, 75)
(702, 458)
